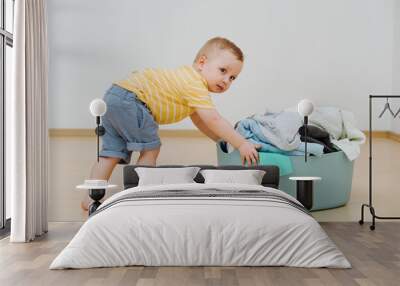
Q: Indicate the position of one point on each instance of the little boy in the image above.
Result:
(137, 105)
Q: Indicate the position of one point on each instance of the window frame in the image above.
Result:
(6, 39)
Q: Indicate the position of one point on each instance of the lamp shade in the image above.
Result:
(305, 107)
(98, 107)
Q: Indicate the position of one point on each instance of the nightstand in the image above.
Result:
(96, 193)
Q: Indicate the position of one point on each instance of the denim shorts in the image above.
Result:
(129, 125)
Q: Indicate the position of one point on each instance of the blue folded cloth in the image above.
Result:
(280, 129)
(312, 148)
(251, 130)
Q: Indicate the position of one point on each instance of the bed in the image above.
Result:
(201, 224)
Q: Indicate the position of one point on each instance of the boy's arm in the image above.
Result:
(219, 126)
(224, 130)
(202, 127)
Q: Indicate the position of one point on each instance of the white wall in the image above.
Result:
(335, 52)
(395, 124)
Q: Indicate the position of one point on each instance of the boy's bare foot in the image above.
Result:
(85, 203)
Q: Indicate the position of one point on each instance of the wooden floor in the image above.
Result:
(374, 255)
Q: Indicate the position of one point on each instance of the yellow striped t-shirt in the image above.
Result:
(170, 94)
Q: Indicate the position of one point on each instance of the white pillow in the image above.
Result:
(249, 177)
(162, 176)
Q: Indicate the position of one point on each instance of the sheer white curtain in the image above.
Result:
(27, 131)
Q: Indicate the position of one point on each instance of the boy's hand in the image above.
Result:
(248, 153)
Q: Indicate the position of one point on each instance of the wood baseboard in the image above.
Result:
(66, 132)
(378, 134)
(394, 136)
(186, 133)
(384, 134)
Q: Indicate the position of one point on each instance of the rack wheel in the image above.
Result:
(372, 227)
(361, 222)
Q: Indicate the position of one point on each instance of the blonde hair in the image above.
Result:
(221, 44)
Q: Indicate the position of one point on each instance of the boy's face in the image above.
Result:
(219, 70)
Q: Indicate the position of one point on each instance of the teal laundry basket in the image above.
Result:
(336, 171)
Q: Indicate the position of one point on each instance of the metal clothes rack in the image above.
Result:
(369, 205)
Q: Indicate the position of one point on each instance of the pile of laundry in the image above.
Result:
(329, 129)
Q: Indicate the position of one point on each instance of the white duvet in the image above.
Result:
(200, 231)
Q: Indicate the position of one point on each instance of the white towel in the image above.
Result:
(340, 124)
